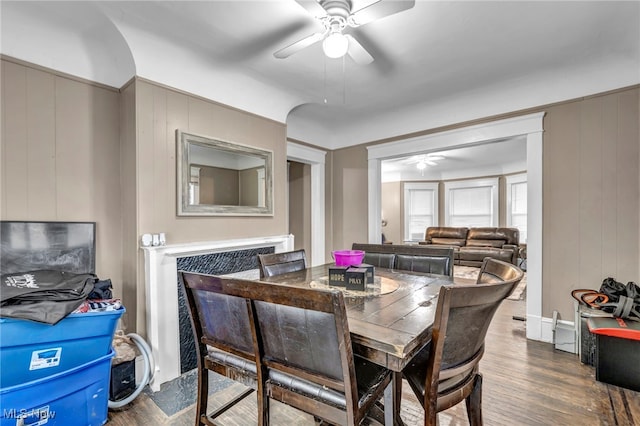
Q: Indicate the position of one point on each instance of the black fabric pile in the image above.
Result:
(43, 295)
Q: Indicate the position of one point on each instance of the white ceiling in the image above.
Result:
(435, 64)
(486, 159)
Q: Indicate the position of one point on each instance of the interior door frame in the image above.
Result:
(530, 126)
(316, 158)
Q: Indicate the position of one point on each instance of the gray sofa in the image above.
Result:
(472, 245)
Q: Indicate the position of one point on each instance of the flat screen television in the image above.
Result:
(65, 246)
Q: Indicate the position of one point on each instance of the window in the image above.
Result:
(517, 204)
(420, 209)
(471, 202)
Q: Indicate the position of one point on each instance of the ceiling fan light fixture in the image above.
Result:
(421, 165)
(335, 45)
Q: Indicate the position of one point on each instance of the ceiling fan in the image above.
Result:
(423, 160)
(335, 16)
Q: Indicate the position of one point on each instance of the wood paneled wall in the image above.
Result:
(132, 292)
(61, 156)
(75, 151)
(591, 185)
(159, 111)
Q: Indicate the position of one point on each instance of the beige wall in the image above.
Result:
(219, 186)
(591, 186)
(159, 112)
(249, 186)
(349, 189)
(300, 206)
(228, 187)
(61, 157)
(76, 151)
(132, 293)
(391, 203)
(590, 196)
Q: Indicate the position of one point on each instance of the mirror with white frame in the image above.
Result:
(217, 177)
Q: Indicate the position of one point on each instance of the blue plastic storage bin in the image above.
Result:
(79, 396)
(31, 350)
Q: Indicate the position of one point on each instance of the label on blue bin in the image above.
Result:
(45, 358)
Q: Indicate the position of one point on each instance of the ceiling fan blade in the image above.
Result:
(357, 52)
(285, 52)
(380, 9)
(411, 160)
(313, 7)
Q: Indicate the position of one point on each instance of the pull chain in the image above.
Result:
(344, 78)
(325, 80)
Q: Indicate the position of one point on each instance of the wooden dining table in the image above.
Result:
(389, 321)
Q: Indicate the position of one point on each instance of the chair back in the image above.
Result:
(378, 255)
(218, 318)
(224, 330)
(446, 372)
(280, 263)
(467, 310)
(299, 341)
(432, 260)
(463, 316)
(307, 345)
(467, 317)
(495, 271)
(417, 258)
(307, 356)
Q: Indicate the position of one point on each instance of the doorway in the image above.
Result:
(299, 202)
(414, 188)
(315, 158)
(529, 126)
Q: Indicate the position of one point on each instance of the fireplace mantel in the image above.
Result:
(161, 285)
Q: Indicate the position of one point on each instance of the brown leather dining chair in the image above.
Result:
(222, 325)
(417, 258)
(446, 371)
(280, 263)
(307, 356)
(433, 260)
(494, 270)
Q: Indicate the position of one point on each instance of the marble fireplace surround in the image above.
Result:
(161, 285)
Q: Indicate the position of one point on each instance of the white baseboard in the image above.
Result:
(542, 330)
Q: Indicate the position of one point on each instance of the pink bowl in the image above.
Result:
(347, 257)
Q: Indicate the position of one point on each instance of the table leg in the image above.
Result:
(388, 402)
(392, 400)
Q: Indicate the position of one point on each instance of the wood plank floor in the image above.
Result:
(525, 383)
